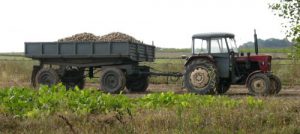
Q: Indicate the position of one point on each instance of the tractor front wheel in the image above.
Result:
(259, 84)
(275, 84)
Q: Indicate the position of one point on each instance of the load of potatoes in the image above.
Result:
(80, 37)
(114, 36)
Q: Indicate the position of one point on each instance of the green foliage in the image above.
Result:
(289, 10)
(23, 102)
(27, 102)
(91, 111)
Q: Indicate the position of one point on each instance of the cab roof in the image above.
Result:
(212, 35)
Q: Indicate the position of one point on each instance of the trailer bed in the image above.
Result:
(89, 52)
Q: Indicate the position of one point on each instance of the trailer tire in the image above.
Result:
(73, 77)
(34, 72)
(138, 85)
(275, 86)
(259, 84)
(112, 80)
(46, 76)
(201, 77)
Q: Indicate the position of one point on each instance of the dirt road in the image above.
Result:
(234, 91)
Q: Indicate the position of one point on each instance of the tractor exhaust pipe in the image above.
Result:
(255, 42)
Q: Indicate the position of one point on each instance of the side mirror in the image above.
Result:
(184, 57)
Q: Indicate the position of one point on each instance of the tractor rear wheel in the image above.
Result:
(138, 85)
(112, 80)
(259, 84)
(223, 87)
(46, 76)
(275, 86)
(201, 77)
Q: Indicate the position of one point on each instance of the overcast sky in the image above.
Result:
(169, 23)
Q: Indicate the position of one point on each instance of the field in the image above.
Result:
(164, 108)
(90, 111)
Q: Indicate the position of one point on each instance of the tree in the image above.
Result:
(289, 10)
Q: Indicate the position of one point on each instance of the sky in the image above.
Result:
(168, 23)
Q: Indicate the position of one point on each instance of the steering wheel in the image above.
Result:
(231, 52)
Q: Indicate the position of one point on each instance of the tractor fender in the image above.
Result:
(207, 57)
(255, 72)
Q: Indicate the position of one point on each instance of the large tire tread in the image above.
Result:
(53, 76)
(211, 88)
(138, 85)
(118, 75)
(73, 77)
(266, 91)
(275, 89)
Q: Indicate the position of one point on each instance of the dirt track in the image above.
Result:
(234, 91)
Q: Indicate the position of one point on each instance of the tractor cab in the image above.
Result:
(220, 47)
(213, 43)
(216, 64)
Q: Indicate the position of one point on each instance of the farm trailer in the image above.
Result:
(67, 62)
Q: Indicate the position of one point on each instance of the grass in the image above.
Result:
(172, 50)
(55, 110)
(16, 71)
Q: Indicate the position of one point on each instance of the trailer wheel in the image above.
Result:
(275, 86)
(223, 87)
(259, 84)
(138, 85)
(46, 76)
(33, 75)
(73, 77)
(201, 77)
(112, 80)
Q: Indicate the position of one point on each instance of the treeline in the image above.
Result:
(268, 43)
(271, 43)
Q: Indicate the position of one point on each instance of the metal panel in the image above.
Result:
(33, 49)
(67, 48)
(120, 48)
(94, 50)
(102, 48)
(223, 63)
(50, 49)
(84, 48)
